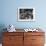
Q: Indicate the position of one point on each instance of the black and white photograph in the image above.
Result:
(26, 14)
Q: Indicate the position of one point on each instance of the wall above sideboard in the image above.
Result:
(9, 13)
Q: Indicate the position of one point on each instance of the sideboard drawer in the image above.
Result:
(13, 33)
(37, 39)
(34, 33)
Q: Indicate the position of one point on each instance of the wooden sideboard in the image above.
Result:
(23, 39)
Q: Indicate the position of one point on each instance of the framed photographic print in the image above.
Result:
(26, 14)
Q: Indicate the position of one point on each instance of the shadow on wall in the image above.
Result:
(2, 26)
